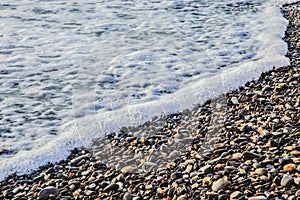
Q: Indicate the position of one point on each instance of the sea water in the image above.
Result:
(72, 71)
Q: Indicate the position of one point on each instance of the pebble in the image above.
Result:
(261, 171)
(257, 198)
(92, 186)
(236, 195)
(235, 100)
(112, 186)
(223, 197)
(206, 169)
(182, 197)
(16, 190)
(237, 156)
(46, 192)
(176, 175)
(297, 181)
(76, 160)
(251, 155)
(284, 161)
(286, 180)
(128, 169)
(127, 196)
(289, 167)
(220, 184)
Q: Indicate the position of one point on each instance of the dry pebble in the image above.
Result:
(257, 198)
(220, 184)
(47, 192)
(286, 180)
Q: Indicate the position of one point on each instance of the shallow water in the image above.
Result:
(73, 71)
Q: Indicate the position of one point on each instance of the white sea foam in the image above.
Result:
(72, 71)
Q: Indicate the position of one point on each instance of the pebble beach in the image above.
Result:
(245, 144)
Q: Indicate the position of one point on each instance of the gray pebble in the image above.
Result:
(16, 190)
(176, 175)
(251, 155)
(127, 196)
(236, 195)
(92, 186)
(235, 100)
(229, 168)
(85, 173)
(223, 197)
(206, 169)
(76, 160)
(46, 192)
(286, 180)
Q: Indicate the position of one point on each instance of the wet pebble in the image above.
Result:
(76, 160)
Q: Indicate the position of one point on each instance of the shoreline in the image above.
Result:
(238, 146)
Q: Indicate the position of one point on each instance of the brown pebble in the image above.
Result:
(295, 153)
(128, 169)
(289, 167)
(219, 184)
(237, 156)
(76, 194)
(261, 171)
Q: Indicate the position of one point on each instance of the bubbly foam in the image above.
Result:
(73, 71)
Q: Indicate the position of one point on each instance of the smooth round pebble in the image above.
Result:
(46, 192)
